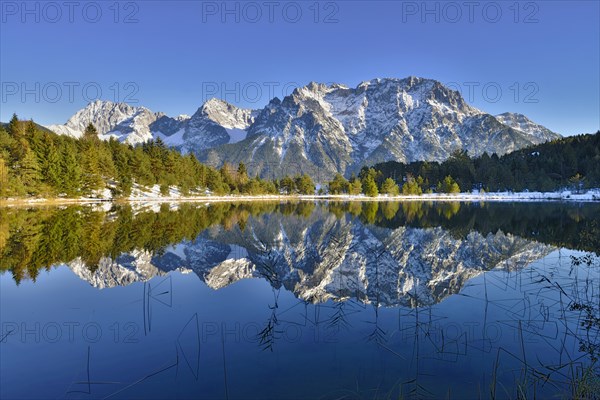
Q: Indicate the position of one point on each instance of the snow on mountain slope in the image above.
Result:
(65, 130)
(236, 134)
(134, 129)
(525, 125)
(215, 123)
(118, 120)
(321, 130)
(105, 115)
(174, 140)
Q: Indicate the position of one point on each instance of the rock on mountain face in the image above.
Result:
(322, 129)
(119, 120)
(325, 257)
(215, 123)
(325, 129)
(525, 125)
(105, 115)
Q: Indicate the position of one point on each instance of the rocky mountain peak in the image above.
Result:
(225, 114)
(329, 128)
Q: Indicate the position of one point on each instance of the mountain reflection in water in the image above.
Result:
(256, 300)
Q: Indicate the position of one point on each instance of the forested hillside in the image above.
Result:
(571, 162)
(36, 162)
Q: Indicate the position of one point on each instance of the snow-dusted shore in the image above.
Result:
(153, 196)
(590, 195)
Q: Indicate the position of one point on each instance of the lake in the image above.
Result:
(299, 300)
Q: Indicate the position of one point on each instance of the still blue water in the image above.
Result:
(378, 310)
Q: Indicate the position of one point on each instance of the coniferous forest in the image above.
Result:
(37, 162)
(568, 163)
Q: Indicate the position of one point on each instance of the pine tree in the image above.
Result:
(70, 170)
(30, 128)
(215, 182)
(305, 184)
(389, 187)
(242, 173)
(411, 186)
(355, 186)
(448, 185)
(287, 185)
(90, 132)
(369, 186)
(339, 185)
(15, 127)
(29, 172)
(197, 172)
(253, 187)
(372, 173)
(91, 173)
(3, 177)
(269, 187)
(576, 182)
(227, 176)
(121, 161)
(164, 189)
(105, 160)
(142, 168)
(51, 168)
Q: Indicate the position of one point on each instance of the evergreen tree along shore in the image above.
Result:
(35, 162)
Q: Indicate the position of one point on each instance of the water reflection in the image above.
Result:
(291, 300)
(302, 242)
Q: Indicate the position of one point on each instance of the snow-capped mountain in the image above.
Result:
(119, 120)
(322, 129)
(327, 257)
(105, 115)
(215, 123)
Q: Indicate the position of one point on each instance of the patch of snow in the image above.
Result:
(236, 134)
(173, 140)
(237, 252)
(178, 250)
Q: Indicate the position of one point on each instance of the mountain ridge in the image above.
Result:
(323, 129)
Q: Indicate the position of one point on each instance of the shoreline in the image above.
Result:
(590, 196)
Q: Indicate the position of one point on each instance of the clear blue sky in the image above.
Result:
(544, 56)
